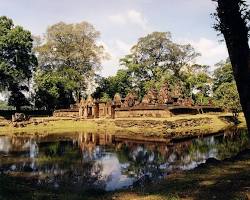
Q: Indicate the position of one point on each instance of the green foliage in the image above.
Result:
(54, 91)
(68, 58)
(157, 53)
(198, 82)
(225, 90)
(227, 97)
(4, 106)
(17, 60)
(223, 74)
(18, 99)
(120, 83)
(105, 97)
(154, 60)
(156, 57)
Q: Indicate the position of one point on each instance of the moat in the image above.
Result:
(87, 161)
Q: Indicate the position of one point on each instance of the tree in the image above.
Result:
(120, 83)
(233, 18)
(53, 92)
(224, 89)
(18, 99)
(17, 60)
(198, 83)
(71, 56)
(223, 74)
(228, 98)
(156, 56)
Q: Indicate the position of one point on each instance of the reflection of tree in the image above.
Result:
(153, 161)
(58, 163)
(232, 144)
(64, 152)
(122, 154)
(219, 147)
(63, 163)
(95, 160)
(142, 162)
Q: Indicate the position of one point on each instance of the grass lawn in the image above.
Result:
(146, 126)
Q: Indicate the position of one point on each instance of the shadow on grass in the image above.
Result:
(12, 188)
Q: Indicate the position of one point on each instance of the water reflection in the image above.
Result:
(108, 162)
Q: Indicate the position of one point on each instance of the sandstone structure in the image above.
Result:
(154, 104)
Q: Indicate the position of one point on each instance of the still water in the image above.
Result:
(108, 162)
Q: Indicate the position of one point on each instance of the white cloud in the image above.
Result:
(131, 17)
(138, 19)
(211, 51)
(116, 50)
(119, 19)
(122, 46)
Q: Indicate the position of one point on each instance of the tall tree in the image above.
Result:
(17, 60)
(233, 18)
(70, 51)
(225, 91)
(155, 56)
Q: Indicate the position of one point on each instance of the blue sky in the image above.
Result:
(122, 22)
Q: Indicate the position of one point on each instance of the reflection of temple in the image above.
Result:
(164, 103)
(89, 141)
(182, 155)
(106, 160)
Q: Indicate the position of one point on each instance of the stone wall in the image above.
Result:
(104, 110)
(142, 113)
(66, 113)
(181, 123)
(178, 110)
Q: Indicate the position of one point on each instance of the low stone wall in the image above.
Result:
(207, 109)
(193, 110)
(163, 111)
(181, 123)
(66, 113)
(158, 111)
(184, 110)
(138, 123)
(142, 113)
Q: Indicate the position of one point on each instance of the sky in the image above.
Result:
(123, 22)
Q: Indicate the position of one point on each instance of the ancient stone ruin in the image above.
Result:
(154, 104)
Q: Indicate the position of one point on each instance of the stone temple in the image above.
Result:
(154, 104)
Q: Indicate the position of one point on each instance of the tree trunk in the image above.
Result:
(235, 31)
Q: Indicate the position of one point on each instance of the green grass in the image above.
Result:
(61, 125)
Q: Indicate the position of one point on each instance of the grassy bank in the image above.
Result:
(182, 126)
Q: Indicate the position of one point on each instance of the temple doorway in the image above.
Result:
(89, 111)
